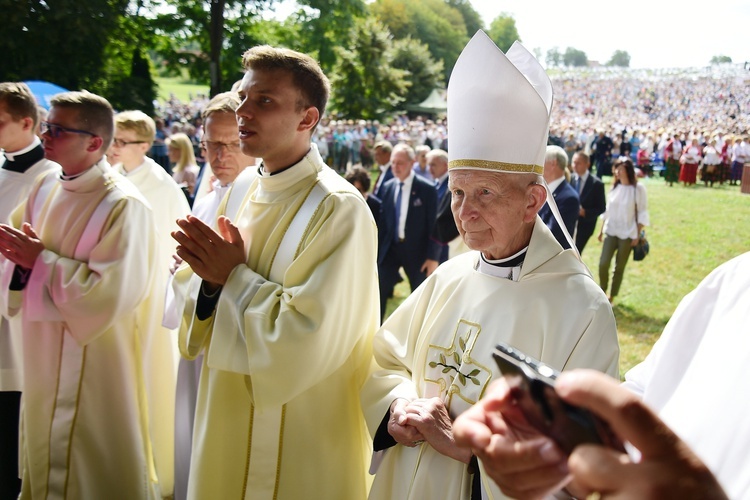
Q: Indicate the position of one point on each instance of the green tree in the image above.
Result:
(433, 22)
(319, 26)
(554, 58)
(365, 83)
(422, 72)
(620, 58)
(127, 76)
(503, 31)
(575, 57)
(472, 19)
(204, 34)
(62, 41)
(720, 60)
(82, 45)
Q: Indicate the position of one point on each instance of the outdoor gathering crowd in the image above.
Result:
(199, 310)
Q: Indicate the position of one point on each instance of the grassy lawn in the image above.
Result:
(692, 231)
(180, 88)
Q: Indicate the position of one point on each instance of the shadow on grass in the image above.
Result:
(636, 332)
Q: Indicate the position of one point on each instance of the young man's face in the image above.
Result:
(70, 148)
(271, 122)
(127, 149)
(14, 134)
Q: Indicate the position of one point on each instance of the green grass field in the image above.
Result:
(692, 231)
(180, 88)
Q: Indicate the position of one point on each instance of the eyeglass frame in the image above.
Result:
(216, 145)
(121, 144)
(48, 127)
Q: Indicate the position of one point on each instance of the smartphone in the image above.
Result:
(532, 385)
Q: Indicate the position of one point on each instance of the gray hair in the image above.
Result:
(559, 155)
(402, 146)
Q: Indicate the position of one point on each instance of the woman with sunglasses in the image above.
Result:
(625, 217)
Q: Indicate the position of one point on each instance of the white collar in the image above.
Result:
(554, 184)
(496, 269)
(12, 156)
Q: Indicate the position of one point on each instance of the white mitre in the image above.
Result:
(498, 109)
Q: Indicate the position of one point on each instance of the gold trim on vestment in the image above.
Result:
(497, 166)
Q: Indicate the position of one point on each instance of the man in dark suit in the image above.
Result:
(591, 195)
(566, 198)
(601, 153)
(445, 226)
(407, 217)
(382, 153)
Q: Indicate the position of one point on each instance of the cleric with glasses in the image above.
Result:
(54, 130)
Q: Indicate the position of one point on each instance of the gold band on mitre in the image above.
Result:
(497, 166)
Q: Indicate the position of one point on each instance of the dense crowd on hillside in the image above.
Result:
(637, 109)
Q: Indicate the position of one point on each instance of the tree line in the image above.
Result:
(381, 56)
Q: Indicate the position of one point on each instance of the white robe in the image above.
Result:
(168, 203)
(694, 376)
(189, 371)
(289, 424)
(85, 317)
(14, 188)
(439, 343)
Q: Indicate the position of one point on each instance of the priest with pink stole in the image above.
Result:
(517, 285)
(78, 266)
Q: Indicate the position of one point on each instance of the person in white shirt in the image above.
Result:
(695, 448)
(624, 219)
(740, 155)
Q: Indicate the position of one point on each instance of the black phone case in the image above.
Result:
(532, 386)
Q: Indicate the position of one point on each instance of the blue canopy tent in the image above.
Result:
(43, 91)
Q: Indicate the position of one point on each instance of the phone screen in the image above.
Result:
(532, 385)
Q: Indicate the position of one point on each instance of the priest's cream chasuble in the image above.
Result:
(439, 343)
(278, 413)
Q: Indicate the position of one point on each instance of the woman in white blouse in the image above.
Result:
(625, 217)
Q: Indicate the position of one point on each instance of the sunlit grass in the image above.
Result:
(183, 90)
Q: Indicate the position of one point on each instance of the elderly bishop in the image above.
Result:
(518, 286)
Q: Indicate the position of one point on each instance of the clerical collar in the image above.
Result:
(264, 173)
(508, 268)
(66, 177)
(23, 159)
(125, 171)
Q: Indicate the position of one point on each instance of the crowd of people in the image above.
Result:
(605, 112)
(225, 232)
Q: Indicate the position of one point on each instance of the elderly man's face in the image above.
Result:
(491, 212)
(401, 165)
(437, 166)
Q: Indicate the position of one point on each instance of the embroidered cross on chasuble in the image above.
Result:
(454, 371)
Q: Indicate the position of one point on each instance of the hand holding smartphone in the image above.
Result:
(532, 385)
